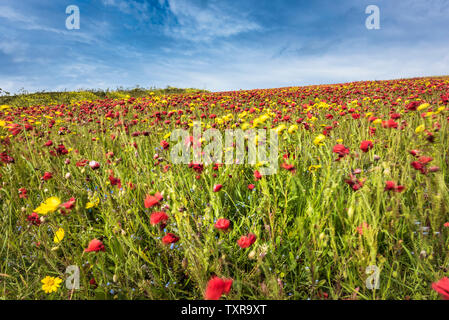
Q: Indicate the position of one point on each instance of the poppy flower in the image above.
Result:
(391, 186)
(95, 245)
(251, 187)
(288, 167)
(390, 124)
(442, 287)
(246, 241)
(81, 163)
(257, 175)
(366, 145)
(115, 181)
(5, 158)
(170, 238)
(222, 224)
(164, 144)
(216, 287)
(217, 187)
(23, 193)
(341, 150)
(69, 204)
(47, 176)
(159, 217)
(151, 201)
(93, 283)
(414, 153)
(355, 183)
(61, 150)
(34, 219)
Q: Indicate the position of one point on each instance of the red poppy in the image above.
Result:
(390, 124)
(216, 287)
(115, 181)
(246, 241)
(34, 219)
(5, 158)
(341, 150)
(415, 153)
(366, 145)
(391, 186)
(93, 283)
(164, 144)
(95, 246)
(151, 201)
(442, 287)
(257, 175)
(69, 204)
(159, 217)
(251, 187)
(288, 167)
(170, 238)
(217, 187)
(23, 193)
(47, 176)
(355, 183)
(222, 224)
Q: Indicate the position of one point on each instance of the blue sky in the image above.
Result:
(218, 45)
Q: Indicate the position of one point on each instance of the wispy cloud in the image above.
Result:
(189, 19)
(205, 21)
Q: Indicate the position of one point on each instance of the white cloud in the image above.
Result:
(196, 22)
(190, 19)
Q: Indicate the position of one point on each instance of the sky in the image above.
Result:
(218, 45)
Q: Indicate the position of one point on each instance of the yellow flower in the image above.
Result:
(51, 284)
(420, 129)
(279, 129)
(93, 203)
(59, 235)
(292, 129)
(377, 121)
(313, 168)
(339, 140)
(319, 140)
(245, 126)
(423, 106)
(48, 206)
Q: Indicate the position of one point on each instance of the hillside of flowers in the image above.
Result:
(359, 208)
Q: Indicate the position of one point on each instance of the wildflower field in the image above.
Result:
(359, 208)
